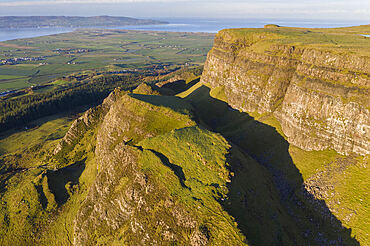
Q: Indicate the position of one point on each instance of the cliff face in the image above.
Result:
(320, 96)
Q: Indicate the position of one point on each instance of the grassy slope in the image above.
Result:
(30, 148)
(60, 229)
(51, 128)
(198, 177)
(23, 207)
(37, 197)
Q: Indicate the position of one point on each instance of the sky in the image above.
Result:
(341, 10)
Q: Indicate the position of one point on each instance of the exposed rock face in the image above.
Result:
(320, 98)
(88, 120)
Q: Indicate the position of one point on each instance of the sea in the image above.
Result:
(181, 25)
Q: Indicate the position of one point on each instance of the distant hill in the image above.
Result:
(71, 21)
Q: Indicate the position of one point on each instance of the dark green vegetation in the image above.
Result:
(44, 59)
(71, 21)
(21, 110)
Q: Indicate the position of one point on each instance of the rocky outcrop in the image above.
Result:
(321, 98)
(85, 122)
(126, 204)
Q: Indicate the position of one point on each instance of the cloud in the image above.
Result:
(50, 2)
(303, 9)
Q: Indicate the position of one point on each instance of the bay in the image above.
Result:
(180, 25)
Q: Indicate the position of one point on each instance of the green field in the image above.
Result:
(7, 77)
(12, 83)
(98, 50)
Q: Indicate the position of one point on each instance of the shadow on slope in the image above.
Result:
(61, 181)
(179, 85)
(267, 196)
(174, 103)
(177, 170)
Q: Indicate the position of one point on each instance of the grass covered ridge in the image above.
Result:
(347, 40)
